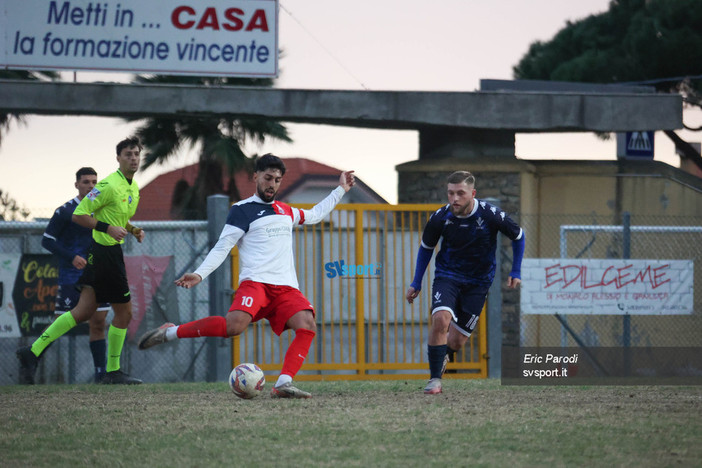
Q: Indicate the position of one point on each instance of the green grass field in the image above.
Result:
(385, 423)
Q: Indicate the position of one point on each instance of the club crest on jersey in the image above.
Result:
(280, 209)
(93, 194)
(479, 222)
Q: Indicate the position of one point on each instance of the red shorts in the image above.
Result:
(269, 301)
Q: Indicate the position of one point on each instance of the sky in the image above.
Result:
(447, 45)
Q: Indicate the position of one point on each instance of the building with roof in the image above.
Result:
(305, 181)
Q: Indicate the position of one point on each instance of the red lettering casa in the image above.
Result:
(231, 19)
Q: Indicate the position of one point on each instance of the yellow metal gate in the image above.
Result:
(355, 268)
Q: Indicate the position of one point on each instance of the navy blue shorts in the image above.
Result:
(464, 301)
(67, 299)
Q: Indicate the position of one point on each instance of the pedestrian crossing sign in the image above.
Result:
(637, 145)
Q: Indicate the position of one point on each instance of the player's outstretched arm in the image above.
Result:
(188, 280)
(514, 279)
(324, 207)
(347, 180)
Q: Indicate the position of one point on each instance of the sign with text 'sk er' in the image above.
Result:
(607, 286)
(237, 38)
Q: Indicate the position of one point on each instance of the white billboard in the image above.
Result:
(169, 37)
(9, 263)
(607, 286)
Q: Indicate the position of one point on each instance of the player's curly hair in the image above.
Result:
(269, 161)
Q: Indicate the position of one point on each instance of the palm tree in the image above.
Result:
(220, 140)
(9, 209)
(7, 119)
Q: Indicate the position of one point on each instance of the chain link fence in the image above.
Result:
(650, 237)
(181, 245)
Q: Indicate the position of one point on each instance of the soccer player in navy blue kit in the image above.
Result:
(70, 242)
(465, 268)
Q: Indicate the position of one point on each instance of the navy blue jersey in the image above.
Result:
(66, 239)
(468, 244)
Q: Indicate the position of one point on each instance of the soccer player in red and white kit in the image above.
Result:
(262, 229)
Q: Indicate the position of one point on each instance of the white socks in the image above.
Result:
(283, 379)
(171, 333)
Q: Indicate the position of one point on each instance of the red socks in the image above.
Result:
(208, 326)
(297, 352)
(217, 326)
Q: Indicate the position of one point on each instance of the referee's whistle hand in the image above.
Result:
(139, 234)
(116, 232)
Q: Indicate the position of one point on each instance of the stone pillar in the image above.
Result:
(450, 142)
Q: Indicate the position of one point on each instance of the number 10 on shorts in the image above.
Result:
(246, 301)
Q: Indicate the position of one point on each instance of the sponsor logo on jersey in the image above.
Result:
(260, 213)
(277, 231)
(94, 193)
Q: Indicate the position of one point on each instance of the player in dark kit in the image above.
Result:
(106, 210)
(70, 242)
(465, 268)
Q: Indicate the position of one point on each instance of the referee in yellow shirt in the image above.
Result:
(111, 203)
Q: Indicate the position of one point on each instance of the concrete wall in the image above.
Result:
(648, 188)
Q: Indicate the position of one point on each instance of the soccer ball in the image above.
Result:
(247, 380)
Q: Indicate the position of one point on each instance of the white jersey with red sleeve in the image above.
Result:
(263, 233)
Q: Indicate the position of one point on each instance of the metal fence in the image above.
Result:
(69, 359)
(595, 236)
(366, 329)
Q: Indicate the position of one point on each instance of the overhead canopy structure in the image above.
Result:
(481, 122)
